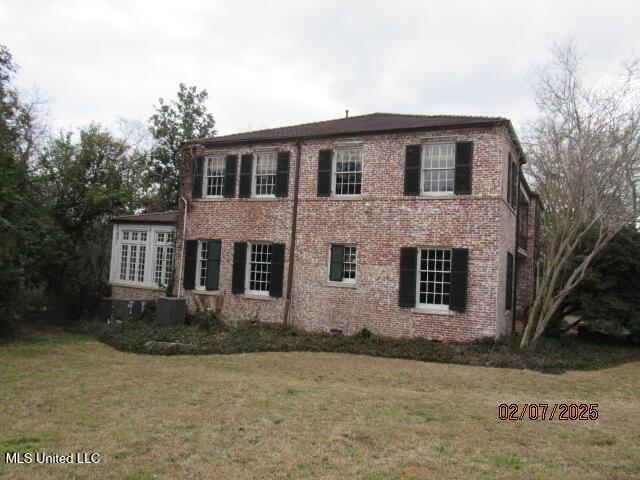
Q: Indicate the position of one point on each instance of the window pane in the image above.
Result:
(157, 278)
(265, 179)
(260, 267)
(123, 261)
(202, 280)
(348, 172)
(434, 276)
(214, 178)
(438, 167)
(141, 260)
(349, 263)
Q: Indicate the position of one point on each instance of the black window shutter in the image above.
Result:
(230, 169)
(277, 270)
(245, 175)
(325, 160)
(412, 160)
(213, 264)
(509, 180)
(464, 156)
(190, 260)
(509, 287)
(459, 275)
(282, 174)
(336, 266)
(514, 185)
(198, 167)
(408, 277)
(239, 266)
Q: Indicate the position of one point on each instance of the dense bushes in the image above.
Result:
(209, 335)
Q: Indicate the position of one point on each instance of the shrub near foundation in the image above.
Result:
(208, 334)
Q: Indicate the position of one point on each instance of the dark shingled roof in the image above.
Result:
(362, 124)
(157, 217)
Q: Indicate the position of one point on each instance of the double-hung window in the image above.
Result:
(214, 170)
(264, 174)
(258, 275)
(342, 263)
(133, 252)
(434, 277)
(347, 171)
(164, 258)
(438, 168)
(201, 265)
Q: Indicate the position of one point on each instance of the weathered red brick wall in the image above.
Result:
(134, 293)
(380, 222)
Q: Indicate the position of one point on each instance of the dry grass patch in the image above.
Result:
(304, 415)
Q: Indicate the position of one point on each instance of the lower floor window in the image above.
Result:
(259, 268)
(164, 264)
(201, 280)
(434, 277)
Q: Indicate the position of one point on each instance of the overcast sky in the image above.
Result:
(273, 63)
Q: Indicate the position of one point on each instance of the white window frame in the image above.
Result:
(201, 246)
(334, 172)
(432, 306)
(254, 176)
(205, 177)
(351, 281)
(150, 253)
(166, 270)
(423, 158)
(247, 272)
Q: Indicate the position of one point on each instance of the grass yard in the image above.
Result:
(303, 415)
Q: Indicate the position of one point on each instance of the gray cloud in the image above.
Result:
(272, 63)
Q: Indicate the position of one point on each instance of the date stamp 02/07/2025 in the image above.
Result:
(546, 411)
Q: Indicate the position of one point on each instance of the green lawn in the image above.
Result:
(304, 415)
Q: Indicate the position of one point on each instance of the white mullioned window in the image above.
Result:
(201, 270)
(264, 175)
(438, 167)
(133, 249)
(434, 277)
(214, 169)
(142, 255)
(347, 171)
(164, 258)
(258, 274)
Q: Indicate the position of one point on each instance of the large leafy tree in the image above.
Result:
(184, 118)
(84, 183)
(23, 226)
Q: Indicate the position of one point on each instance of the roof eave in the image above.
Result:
(250, 141)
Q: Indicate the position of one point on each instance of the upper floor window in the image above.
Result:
(264, 174)
(214, 176)
(347, 168)
(438, 168)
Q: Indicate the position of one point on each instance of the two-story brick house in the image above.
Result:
(407, 225)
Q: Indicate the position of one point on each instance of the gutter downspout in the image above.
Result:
(184, 230)
(292, 241)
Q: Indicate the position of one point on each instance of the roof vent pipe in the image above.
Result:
(346, 114)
